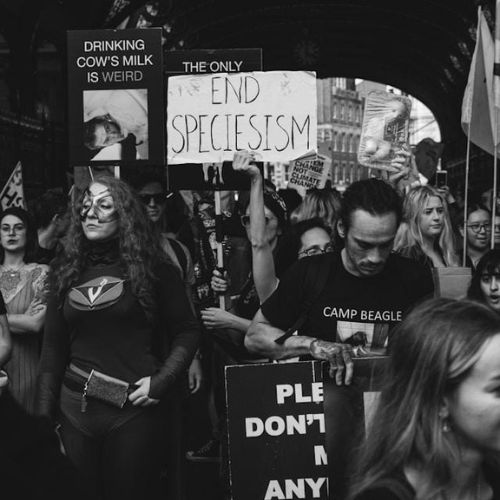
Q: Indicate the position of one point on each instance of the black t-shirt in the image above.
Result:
(350, 309)
(102, 326)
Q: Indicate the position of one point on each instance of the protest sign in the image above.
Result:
(212, 175)
(115, 97)
(386, 122)
(210, 117)
(310, 171)
(184, 62)
(348, 410)
(12, 195)
(451, 282)
(276, 431)
(282, 427)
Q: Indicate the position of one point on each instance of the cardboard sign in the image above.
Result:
(451, 282)
(115, 93)
(283, 423)
(208, 177)
(348, 411)
(12, 194)
(276, 431)
(310, 171)
(386, 122)
(184, 62)
(213, 175)
(210, 117)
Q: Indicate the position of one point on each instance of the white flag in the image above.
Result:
(478, 103)
(13, 193)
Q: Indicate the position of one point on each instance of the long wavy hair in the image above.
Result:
(488, 264)
(432, 352)
(409, 240)
(139, 248)
(31, 248)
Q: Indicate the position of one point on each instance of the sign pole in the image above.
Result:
(219, 236)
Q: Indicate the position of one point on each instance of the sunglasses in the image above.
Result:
(157, 198)
(245, 220)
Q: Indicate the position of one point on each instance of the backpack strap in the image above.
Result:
(315, 280)
(181, 256)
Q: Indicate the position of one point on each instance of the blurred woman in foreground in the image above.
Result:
(436, 430)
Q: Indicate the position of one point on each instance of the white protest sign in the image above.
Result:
(209, 117)
(309, 171)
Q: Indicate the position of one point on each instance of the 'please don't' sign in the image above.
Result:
(209, 117)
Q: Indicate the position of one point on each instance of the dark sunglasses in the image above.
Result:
(158, 198)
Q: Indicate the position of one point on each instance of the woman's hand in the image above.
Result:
(219, 281)
(195, 376)
(213, 317)
(242, 162)
(407, 174)
(140, 397)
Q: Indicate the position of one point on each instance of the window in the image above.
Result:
(355, 143)
(358, 114)
(344, 171)
(335, 111)
(349, 113)
(339, 142)
(349, 144)
(342, 109)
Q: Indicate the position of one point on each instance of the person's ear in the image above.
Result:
(341, 230)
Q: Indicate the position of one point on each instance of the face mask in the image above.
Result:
(101, 203)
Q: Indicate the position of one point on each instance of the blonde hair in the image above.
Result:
(322, 203)
(409, 240)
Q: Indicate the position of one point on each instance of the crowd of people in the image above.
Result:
(110, 316)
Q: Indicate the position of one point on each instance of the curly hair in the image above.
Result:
(409, 240)
(139, 248)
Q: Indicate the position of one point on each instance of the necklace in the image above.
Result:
(13, 271)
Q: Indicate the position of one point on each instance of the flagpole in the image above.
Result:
(496, 89)
(494, 195)
(466, 196)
